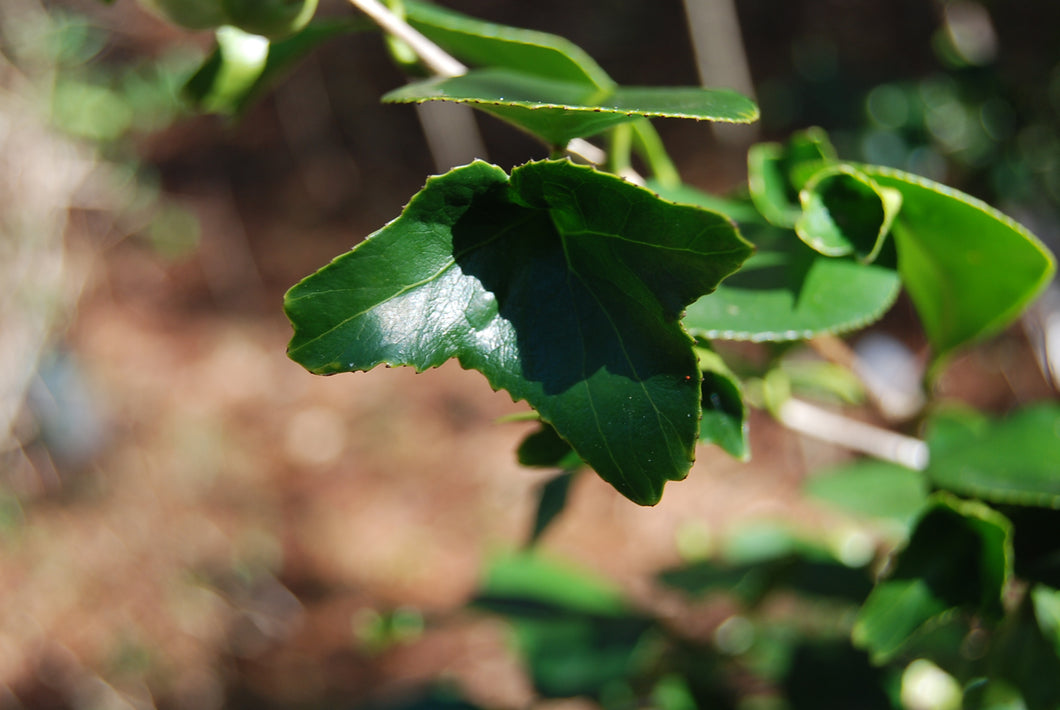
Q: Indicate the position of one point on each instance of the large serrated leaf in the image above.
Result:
(1014, 460)
(559, 111)
(787, 291)
(562, 285)
(959, 556)
(969, 269)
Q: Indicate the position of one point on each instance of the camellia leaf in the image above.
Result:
(575, 632)
(551, 500)
(777, 172)
(562, 285)
(482, 43)
(559, 111)
(969, 269)
(845, 212)
(544, 448)
(724, 414)
(877, 489)
(1014, 460)
(787, 291)
(243, 66)
(959, 555)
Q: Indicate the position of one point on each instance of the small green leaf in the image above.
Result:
(562, 286)
(787, 291)
(724, 414)
(544, 448)
(535, 581)
(959, 556)
(739, 210)
(969, 269)
(574, 631)
(487, 44)
(844, 212)
(1013, 460)
(242, 67)
(776, 173)
(551, 500)
(872, 488)
(558, 111)
(230, 73)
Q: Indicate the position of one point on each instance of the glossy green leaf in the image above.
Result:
(777, 172)
(1012, 460)
(845, 212)
(242, 67)
(724, 419)
(959, 556)
(487, 44)
(562, 285)
(871, 488)
(558, 111)
(787, 291)
(969, 269)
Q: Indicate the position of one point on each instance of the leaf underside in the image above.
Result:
(558, 110)
(562, 285)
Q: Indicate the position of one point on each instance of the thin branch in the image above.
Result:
(437, 60)
(849, 433)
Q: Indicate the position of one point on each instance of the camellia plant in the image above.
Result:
(597, 298)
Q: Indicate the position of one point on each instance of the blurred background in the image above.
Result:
(189, 520)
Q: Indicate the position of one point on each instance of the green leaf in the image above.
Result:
(1036, 545)
(871, 488)
(531, 582)
(787, 291)
(959, 556)
(242, 67)
(562, 285)
(724, 419)
(544, 448)
(969, 269)
(800, 566)
(1012, 460)
(551, 500)
(738, 210)
(776, 173)
(487, 44)
(558, 111)
(575, 631)
(844, 212)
